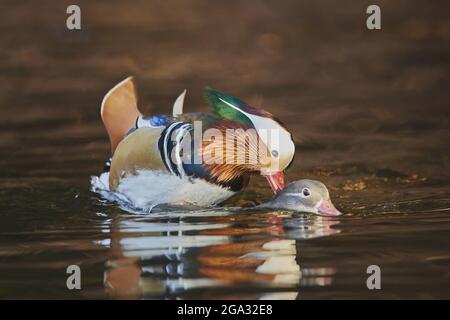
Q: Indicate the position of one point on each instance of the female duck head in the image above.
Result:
(305, 196)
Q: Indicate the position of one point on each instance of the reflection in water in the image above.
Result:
(176, 257)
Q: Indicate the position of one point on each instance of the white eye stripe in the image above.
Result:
(299, 195)
(294, 194)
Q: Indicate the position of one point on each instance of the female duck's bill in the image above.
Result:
(304, 196)
(327, 208)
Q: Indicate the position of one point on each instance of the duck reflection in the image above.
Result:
(252, 256)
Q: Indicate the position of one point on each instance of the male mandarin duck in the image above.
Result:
(170, 159)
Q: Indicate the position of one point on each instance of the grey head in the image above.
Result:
(304, 196)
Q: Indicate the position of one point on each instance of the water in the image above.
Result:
(368, 111)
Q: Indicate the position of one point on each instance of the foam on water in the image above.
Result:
(100, 185)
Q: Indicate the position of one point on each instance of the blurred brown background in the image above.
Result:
(369, 111)
(374, 99)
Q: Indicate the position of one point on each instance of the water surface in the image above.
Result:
(368, 111)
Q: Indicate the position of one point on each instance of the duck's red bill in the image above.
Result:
(327, 208)
(276, 181)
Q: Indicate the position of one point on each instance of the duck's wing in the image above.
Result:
(119, 111)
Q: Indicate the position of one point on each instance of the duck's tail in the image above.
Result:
(119, 111)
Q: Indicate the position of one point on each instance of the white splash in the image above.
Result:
(146, 189)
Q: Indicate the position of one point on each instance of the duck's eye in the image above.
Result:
(275, 153)
(306, 192)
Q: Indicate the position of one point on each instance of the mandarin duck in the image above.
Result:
(305, 195)
(178, 158)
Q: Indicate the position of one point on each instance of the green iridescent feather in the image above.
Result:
(218, 102)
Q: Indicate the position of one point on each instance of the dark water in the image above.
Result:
(369, 112)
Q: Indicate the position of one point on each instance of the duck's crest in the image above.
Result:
(231, 108)
(119, 111)
(227, 107)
